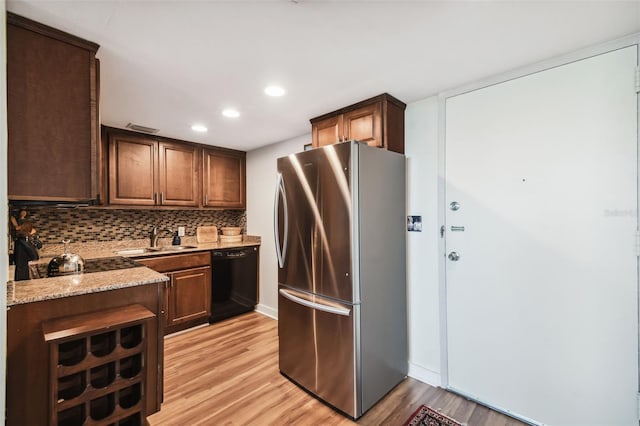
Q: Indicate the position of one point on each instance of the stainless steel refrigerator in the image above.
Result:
(340, 241)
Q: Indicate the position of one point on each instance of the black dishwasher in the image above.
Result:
(234, 282)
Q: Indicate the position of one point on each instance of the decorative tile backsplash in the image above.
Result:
(84, 225)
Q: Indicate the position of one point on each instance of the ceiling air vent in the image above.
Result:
(139, 128)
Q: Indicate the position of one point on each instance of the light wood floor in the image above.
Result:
(227, 374)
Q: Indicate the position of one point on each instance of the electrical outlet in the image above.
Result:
(181, 231)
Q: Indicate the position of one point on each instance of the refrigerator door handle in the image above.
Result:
(318, 306)
(280, 193)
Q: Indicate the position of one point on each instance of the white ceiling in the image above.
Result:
(168, 64)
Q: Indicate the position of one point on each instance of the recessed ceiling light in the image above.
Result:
(274, 91)
(231, 113)
(198, 128)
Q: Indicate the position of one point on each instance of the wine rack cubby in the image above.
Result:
(97, 367)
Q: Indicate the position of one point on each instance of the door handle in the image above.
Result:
(280, 193)
(313, 305)
(454, 256)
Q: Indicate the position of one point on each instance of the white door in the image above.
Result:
(542, 304)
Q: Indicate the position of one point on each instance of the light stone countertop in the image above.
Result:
(71, 285)
(110, 248)
(28, 291)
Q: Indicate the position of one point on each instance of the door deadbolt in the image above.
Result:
(454, 256)
(454, 206)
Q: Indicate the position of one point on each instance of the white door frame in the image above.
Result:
(600, 49)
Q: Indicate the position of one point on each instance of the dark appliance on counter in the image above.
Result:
(234, 280)
(340, 245)
(24, 251)
(24, 244)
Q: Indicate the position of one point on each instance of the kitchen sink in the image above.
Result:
(176, 248)
(144, 250)
(133, 251)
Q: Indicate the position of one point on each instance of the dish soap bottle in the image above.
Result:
(176, 239)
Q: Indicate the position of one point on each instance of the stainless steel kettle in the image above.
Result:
(65, 264)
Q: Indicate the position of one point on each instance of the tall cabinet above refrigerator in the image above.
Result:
(340, 242)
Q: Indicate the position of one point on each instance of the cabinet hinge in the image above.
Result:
(637, 79)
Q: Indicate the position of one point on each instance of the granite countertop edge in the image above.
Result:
(36, 290)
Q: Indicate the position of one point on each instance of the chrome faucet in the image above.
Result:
(154, 236)
(155, 232)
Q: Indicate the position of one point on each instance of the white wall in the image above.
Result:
(4, 255)
(261, 181)
(421, 141)
(421, 149)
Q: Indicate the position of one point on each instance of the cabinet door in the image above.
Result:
(51, 114)
(364, 124)
(223, 179)
(178, 175)
(132, 170)
(327, 131)
(189, 295)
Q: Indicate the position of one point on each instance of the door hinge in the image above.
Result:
(638, 396)
(637, 242)
(637, 79)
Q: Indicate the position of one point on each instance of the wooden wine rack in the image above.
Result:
(97, 367)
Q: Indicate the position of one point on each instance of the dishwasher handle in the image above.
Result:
(314, 305)
(229, 254)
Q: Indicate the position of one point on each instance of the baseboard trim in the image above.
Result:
(425, 375)
(268, 311)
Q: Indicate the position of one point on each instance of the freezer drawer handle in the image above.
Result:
(313, 305)
(280, 193)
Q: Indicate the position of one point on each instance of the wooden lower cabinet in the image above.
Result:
(97, 369)
(69, 358)
(187, 298)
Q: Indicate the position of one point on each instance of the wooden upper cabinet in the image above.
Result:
(132, 170)
(364, 124)
(178, 174)
(327, 131)
(146, 172)
(155, 171)
(52, 113)
(378, 121)
(223, 174)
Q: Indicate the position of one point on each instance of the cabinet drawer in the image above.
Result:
(177, 262)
